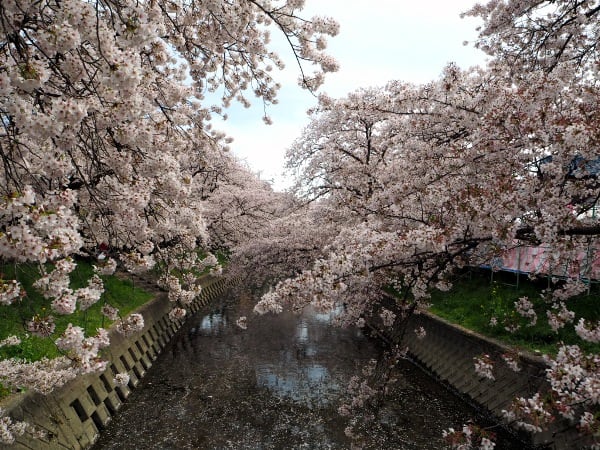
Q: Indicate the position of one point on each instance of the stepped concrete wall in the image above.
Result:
(448, 351)
(74, 415)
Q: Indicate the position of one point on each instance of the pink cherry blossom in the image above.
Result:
(484, 366)
(121, 379)
(131, 324)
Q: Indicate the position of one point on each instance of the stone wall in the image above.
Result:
(448, 351)
(74, 415)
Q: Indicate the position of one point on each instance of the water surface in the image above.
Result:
(276, 385)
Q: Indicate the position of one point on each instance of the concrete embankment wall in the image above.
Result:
(448, 351)
(74, 415)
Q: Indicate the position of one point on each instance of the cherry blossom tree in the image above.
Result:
(433, 178)
(341, 151)
(558, 41)
(284, 245)
(237, 206)
(540, 34)
(106, 139)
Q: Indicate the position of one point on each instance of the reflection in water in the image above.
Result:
(211, 324)
(296, 375)
(311, 385)
(302, 331)
(276, 385)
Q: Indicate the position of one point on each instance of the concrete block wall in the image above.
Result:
(448, 351)
(74, 415)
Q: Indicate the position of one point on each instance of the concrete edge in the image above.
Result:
(74, 415)
(447, 352)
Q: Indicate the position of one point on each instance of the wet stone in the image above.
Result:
(276, 385)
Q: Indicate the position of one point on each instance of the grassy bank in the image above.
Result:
(478, 296)
(120, 293)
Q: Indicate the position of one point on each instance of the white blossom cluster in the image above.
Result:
(182, 289)
(55, 286)
(39, 229)
(268, 303)
(10, 291)
(110, 312)
(484, 366)
(242, 322)
(177, 313)
(531, 414)
(421, 333)
(559, 316)
(525, 308)
(121, 379)
(469, 438)
(586, 333)
(83, 351)
(387, 317)
(360, 394)
(41, 326)
(106, 266)
(130, 324)
(511, 361)
(137, 262)
(9, 429)
(10, 340)
(575, 386)
(42, 376)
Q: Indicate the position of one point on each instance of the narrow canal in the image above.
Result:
(275, 385)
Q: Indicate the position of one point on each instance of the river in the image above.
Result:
(276, 385)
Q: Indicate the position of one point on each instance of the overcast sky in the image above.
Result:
(379, 40)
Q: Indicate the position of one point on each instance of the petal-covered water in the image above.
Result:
(275, 385)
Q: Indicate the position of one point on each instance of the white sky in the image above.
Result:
(379, 41)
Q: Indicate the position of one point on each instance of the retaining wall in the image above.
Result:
(74, 415)
(448, 351)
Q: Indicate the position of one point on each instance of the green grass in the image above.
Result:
(121, 294)
(475, 299)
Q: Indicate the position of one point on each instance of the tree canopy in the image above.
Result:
(425, 180)
(107, 150)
